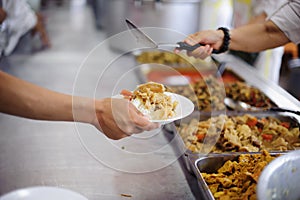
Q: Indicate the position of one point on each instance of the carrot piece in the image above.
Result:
(251, 122)
(285, 124)
(200, 136)
(267, 137)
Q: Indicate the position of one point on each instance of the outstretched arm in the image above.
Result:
(249, 38)
(117, 118)
(21, 98)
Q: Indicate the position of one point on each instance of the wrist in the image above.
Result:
(225, 38)
(84, 109)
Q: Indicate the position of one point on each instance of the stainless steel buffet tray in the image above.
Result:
(244, 71)
(210, 164)
(201, 117)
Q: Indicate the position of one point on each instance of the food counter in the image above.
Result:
(144, 167)
(217, 134)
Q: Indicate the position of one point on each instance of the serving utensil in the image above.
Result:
(243, 106)
(143, 38)
(148, 42)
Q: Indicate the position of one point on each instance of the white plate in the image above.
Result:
(42, 193)
(184, 108)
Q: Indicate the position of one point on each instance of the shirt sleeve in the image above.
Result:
(287, 18)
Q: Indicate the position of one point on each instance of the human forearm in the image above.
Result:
(257, 37)
(248, 38)
(21, 98)
(117, 118)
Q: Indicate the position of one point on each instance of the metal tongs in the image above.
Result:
(146, 40)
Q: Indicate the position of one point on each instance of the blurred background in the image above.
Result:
(62, 32)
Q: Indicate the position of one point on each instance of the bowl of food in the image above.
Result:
(160, 106)
(280, 179)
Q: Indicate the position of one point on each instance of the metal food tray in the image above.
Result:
(229, 75)
(249, 74)
(189, 92)
(191, 155)
(180, 77)
(179, 74)
(210, 164)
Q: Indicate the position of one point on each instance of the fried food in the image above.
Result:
(167, 58)
(241, 91)
(245, 133)
(207, 94)
(237, 179)
(150, 98)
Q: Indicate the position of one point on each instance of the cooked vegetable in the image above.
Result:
(241, 91)
(208, 94)
(267, 137)
(241, 133)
